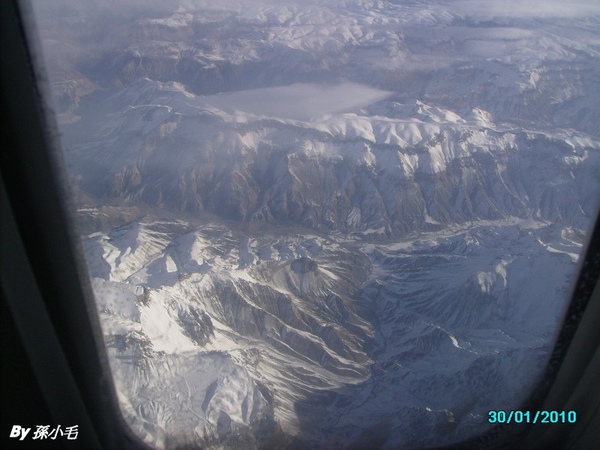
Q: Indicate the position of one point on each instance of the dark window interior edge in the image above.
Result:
(43, 280)
(43, 276)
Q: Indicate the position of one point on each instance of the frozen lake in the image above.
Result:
(300, 101)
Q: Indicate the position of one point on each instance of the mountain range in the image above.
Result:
(344, 224)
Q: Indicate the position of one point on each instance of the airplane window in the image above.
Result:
(327, 224)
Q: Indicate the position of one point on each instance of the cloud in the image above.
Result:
(527, 8)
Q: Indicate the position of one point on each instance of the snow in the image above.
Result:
(445, 155)
(499, 259)
(299, 101)
(164, 335)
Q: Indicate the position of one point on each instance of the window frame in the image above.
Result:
(44, 280)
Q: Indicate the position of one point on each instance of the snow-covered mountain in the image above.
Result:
(536, 67)
(361, 219)
(215, 333)
(386, 169)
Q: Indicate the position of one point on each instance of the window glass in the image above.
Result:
(318, 224)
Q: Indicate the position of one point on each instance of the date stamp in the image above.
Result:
(517, 416)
